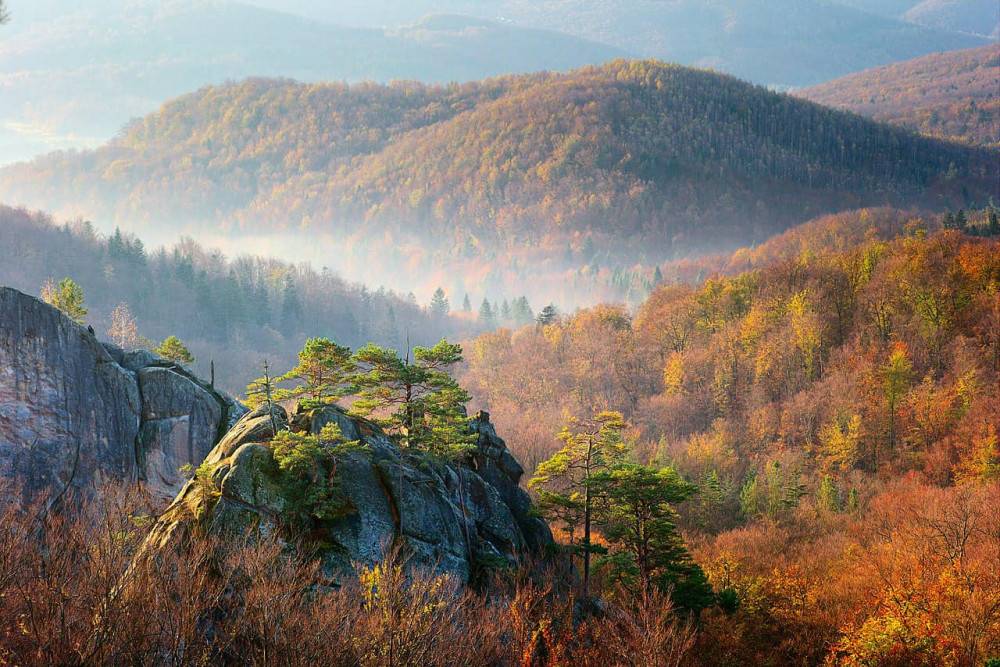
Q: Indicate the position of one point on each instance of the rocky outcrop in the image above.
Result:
(498, 467)
(78, 413)
(458, 518)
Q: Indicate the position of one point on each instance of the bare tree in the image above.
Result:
(123, 330)
(4, 14)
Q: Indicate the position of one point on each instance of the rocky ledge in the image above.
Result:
(78, 413)
(461, 518)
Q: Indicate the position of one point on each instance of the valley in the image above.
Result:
(499, 333)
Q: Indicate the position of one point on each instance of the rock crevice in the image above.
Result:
(446, 518)
(71, 403)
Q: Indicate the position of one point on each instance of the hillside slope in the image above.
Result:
(820, 400)
(232, 314)
(628, 162)
(950, 95)
(73, 77)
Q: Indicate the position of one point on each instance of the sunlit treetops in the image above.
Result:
(638, 155)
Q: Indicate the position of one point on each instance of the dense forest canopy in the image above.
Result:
(233, 312)
(605, 167)
(953, 95)
(743, 349)
(836, 402)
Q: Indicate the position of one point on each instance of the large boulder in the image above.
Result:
(69, 415)
(75, 413)
(180, 425)
(446, 518)
(498, 467)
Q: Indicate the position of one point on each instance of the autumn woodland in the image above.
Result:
(485, 333)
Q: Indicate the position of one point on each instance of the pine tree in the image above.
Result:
(993, 226)
(828, 495)
(640, 524)
(657, 277)
(961, 220)
(486, 314)
(322, 373)
(439, 304)
(522, 311)
(67, 296)
(853, 501)
(291, 306)
(466, 303)
(711, 501)
(548, 315)
(505, 312)
(174, 350)
(116, 245)
(417, 400)
(261, 305)
(566, 481)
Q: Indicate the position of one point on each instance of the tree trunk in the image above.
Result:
(586, 544)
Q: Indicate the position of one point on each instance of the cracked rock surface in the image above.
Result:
(457, 518)
(77, 412)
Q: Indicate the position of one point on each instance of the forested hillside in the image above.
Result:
(953, 95)
(837, 404)
(236, 312)
(605, 167)
(72, 75)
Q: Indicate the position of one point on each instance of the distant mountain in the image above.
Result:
(974, 16)
(977, 17)
(950, 95)
(73, 77)
(514, 179)
(772, 42)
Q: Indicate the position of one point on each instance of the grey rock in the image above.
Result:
(116, 353)
(136, 360)
(443, 518)
(498, 467)
(333, 415)
(254, 426)
(77, 412)
(69, 415)
(180, 426)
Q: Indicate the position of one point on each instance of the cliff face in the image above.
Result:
(75, 413)
(78, 413)
(455, 518)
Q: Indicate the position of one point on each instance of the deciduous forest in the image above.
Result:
(633, 364)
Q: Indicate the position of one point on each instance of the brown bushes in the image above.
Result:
(72, 592)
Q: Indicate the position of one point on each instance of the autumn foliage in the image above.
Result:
(837, 405)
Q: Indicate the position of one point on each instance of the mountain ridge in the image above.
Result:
(139, 53)
(646, 160)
